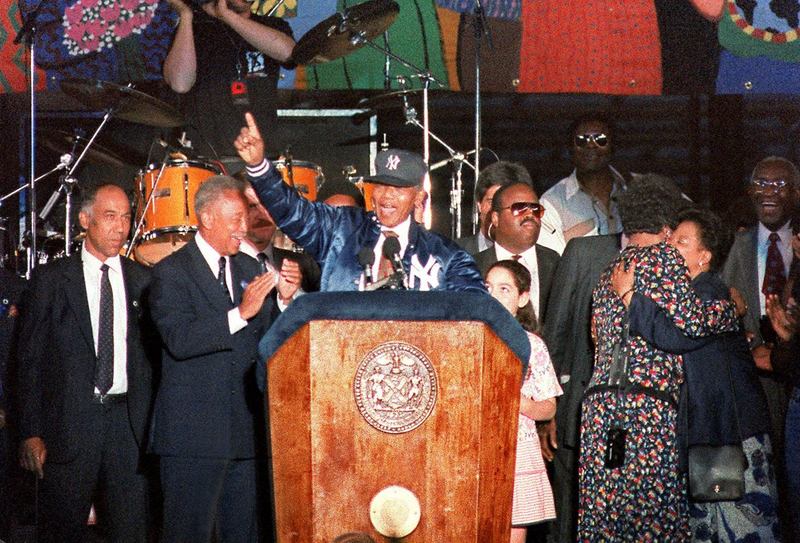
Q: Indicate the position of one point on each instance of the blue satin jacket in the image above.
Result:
(335, 235)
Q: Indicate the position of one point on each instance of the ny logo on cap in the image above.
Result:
(392, 162)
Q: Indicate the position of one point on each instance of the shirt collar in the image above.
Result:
(210, 255)
(785, 232)
(247, 248)
(572, 187)
(529, 255)
(401, 230)
(91, 261)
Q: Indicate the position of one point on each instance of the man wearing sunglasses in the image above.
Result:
(586, 200)
(759, 264)
(516, 220)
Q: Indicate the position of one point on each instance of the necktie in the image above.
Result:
(104, 371)
(221, 278)
(516, 257)
(262, 261)
(774, 274)
(385, 268)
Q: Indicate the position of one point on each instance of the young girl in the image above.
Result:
(509, 282)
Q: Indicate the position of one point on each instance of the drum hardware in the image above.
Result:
(342, 33)
(63, 142)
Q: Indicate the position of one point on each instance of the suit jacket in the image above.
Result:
(335, 235)
(469, 243)
(57, 356)
(567, 330)
(741, 272)
(546, 260)
(207, 404)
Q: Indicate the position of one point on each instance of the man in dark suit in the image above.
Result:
(759, 263)
(491, 178)
(211, 307)
(84, 382)
(516, 221)
(568, 337)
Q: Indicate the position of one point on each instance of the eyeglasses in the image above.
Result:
(599, 139)
(761, 184)
(520, 208)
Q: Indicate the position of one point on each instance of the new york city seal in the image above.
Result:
(395, 387)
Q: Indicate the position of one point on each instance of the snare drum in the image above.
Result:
(305, 176)
(169, 218)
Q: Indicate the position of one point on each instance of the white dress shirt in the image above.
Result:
(401, 230)
(527, 259)
(91, 278)
(211, 256)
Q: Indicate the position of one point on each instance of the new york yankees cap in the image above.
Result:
(398, 168)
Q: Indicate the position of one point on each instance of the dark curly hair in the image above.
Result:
(526, 316)
(501, 173)
(650, 203)
(715, 235)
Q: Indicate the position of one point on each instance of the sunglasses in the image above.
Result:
(583, 140)
(760, 184)
(520, 208)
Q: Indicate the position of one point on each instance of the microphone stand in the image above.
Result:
(480, 28)
(28, 34)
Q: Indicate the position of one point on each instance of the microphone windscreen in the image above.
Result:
(391, 247)
(366, 257)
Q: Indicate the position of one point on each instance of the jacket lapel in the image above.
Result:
(205, 278)
(76, 296)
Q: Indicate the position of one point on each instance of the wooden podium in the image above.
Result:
(427, 408)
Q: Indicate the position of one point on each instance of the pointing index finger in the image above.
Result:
(251, 125)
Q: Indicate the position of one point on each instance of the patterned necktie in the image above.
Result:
(262, 262)
(104, 371)
(385, 268)
(222, 280)
(774, 274)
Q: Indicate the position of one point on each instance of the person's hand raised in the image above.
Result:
(249, 143)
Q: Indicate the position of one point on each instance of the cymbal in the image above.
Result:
(61, 141)
(342, 33)
(128, 103)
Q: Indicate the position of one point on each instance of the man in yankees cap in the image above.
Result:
(348, 242)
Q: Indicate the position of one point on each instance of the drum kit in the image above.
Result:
(164, 191)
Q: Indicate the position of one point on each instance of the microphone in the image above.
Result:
(366, 258)
(391, 250)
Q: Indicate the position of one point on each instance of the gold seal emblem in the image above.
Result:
(395, 387)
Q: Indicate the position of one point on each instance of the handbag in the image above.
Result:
(716, 472)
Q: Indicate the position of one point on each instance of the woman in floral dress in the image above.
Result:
(631, 486)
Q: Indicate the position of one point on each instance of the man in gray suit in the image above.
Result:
(516, 219)
(758, 263)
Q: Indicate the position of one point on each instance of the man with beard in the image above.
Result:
(341, 238)
(224, 59)
(757, 265)
(586, 200)
(516, 218)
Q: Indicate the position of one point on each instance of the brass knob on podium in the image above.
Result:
(394, 512)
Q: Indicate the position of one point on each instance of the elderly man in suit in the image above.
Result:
(516, 221)
(84, 383)
(757, 265)
(211, 306)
